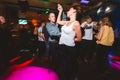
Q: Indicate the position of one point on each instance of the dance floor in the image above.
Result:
(28, 66)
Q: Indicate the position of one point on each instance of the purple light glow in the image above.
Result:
(115, 65)
(118, 62)
(84, 1)
(33, 73)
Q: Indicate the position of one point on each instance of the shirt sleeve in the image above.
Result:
(83, 24)
(39, 30)
(53, 31)
(64, 17)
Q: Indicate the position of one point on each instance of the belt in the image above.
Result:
(54, 42)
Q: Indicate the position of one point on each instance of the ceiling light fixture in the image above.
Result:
(84, 1)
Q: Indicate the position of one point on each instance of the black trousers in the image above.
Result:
(86, 50)
(101, 57)
(53, 54)
(67, 61)
(42, 48)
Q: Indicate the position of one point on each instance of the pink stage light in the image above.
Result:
(115, 65)
(33, 73)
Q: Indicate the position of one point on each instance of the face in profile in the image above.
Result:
(2, 19)
(70, 12)
(52, 17)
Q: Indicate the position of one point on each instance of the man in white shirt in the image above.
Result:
(87, 40)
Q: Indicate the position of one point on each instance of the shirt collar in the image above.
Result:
(51, 23)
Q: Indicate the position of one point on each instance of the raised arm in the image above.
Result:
(59, 21)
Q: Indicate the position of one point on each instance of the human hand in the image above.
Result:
(60, 8)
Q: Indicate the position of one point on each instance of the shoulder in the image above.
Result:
(92, 23)
(105, 27)
(47, 25)
(76, 23)
(102, 28)
(39, 28)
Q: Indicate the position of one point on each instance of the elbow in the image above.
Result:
(98, 38)
(78, 39)
(58, 22)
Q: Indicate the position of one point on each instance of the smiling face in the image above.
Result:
(52, 17)
(2, 20)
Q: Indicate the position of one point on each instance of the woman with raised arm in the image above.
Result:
(70, 34)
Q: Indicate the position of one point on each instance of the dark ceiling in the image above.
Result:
(52, 4)
(42, 5)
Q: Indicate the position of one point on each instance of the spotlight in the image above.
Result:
(100, 10)
(108, 9)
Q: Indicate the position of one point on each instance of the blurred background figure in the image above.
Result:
(105, 40)
(52, 40)
(87, 43)
(24, 37)
(5, 43)
(41, 39)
